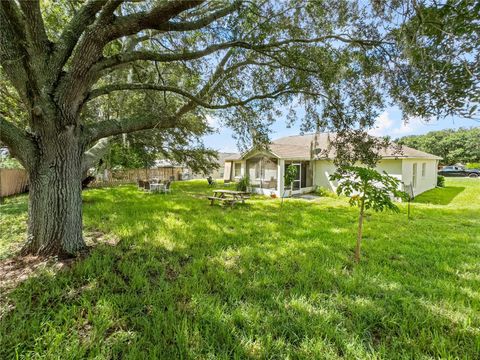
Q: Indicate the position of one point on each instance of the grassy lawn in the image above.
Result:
(187, 280)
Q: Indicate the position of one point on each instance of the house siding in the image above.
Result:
(401, 169)
(391, 167)
(324, 168)
(231, 173)
(424, 183)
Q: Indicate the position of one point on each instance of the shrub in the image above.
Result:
(290, 176)
(9, 163)
(243, 184)
(440, 181)
(473, 165)
(324, 192)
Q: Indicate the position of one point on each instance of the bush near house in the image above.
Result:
(440, 181)
(243, 184)
(323, 192)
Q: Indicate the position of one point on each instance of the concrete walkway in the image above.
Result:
(308, 197)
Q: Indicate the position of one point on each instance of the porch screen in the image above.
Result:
(262, 171)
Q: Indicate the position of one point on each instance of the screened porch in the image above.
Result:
(263, 172)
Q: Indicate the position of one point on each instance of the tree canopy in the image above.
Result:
(341, 61)
(454, 146)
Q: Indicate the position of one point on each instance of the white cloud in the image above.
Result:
(382, 125)
(405, 128)
(212, 121)
(385, 125)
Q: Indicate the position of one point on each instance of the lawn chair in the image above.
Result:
(166, 188)
(146, 185)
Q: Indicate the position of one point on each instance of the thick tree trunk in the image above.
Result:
(55, 200)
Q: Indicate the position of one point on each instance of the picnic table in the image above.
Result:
(229, 197)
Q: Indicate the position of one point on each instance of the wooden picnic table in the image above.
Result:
(229, 197)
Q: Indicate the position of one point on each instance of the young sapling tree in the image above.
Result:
(289, 177)
(367, 189)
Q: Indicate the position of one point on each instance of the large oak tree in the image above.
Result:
(242, 59)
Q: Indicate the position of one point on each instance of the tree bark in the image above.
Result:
(360, 228)
(55, 201)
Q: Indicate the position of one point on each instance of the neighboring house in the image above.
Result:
(219, 172)
(312, 155)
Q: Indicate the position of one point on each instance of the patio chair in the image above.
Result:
(166, 188)
(146, 185)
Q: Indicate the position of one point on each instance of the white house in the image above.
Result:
(266, 168)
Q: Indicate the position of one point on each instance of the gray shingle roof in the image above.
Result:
(300, 147)
(232, 156)
(223, 156)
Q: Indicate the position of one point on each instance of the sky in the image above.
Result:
(388, 123)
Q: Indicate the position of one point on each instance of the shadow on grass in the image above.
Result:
(439, 196)
(14, 205)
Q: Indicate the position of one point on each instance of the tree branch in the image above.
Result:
(35, 27)
(201, 23)
(282, 90)
(95, 153)
(13, 56)
(113, 127)
(73, 87)
(170, 26)
(73, 30)
(219, 71)
(106, 15)
(127, 57)
(131, 56)
(17, 141)
(131, 24)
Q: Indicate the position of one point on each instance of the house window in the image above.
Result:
(238, 169)
(414, 175)
(424, 169)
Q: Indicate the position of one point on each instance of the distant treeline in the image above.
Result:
(454, 146)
